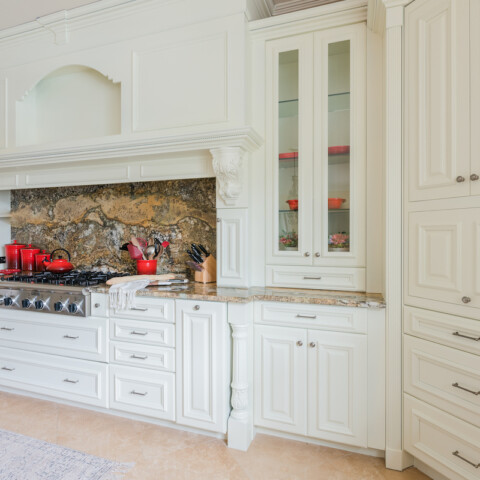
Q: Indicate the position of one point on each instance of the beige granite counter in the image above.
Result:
(210, 292)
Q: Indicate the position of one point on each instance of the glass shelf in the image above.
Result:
(288, 108)
(288, 211)
(339, 101)
(339, 210)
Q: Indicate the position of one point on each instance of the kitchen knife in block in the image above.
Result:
(209, 272)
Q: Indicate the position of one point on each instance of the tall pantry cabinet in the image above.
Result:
(442, 236)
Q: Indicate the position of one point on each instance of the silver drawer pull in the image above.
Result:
(306, 316)
(70, 337)
(458, 334)
(134, 332)
(312, 278)
(7, 329)
(133, 392)
(139, 357)
(8, 369)
(139, 309)
(456, 454)
(67, 380)
(456, 385)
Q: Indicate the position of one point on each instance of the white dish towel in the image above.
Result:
(122, 295)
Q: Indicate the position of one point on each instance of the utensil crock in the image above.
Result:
(146, 267)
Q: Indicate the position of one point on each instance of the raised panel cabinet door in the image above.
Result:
(280, 378)
(202, 365)
(337, 387)
(475, 95)
(437, 90)
(440, 255)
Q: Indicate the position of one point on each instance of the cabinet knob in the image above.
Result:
(219, 220)
(313, 344)
(307, 254)
(474, 177)
(460, 179)
(196, 307)
(299, 343)
(97, 305)
(466, 299)
(317, 254)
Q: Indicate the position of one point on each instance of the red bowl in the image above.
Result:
(335, 203)
(293, 204)
(146, 267)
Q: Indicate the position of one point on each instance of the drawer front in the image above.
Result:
(149, 333)
(99, 304)
(450, 330)
(325, 278)
(84, 338)
(76, 380)
(145, 356)
(443, 442)
(444, 377)
(143, 392)
(341, 319)
(148, 308)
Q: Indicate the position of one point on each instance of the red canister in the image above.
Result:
(12, 252)
(28, 257)
(146, 267)
(39, 258)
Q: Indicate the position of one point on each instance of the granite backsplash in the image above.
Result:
(92, 222)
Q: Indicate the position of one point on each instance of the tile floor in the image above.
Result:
(162, 453)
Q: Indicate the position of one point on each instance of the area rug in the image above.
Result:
(25, 458)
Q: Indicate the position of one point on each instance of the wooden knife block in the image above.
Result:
(209, 272)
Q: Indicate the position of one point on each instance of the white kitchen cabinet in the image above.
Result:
(315, 150)
(442, 75)
(202, 364)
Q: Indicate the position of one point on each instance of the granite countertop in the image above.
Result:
(210, 292)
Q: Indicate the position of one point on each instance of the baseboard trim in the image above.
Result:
(397, 459)
(429, 471)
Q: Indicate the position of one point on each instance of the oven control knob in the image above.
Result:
(7, 301)
(39, 304)
(26, 303)
(72, 308)
(58, 306)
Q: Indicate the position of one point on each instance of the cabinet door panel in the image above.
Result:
(437, 98)
(280, 378)
(337, 387)
(475, 93)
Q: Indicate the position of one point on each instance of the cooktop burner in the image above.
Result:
(74, 278)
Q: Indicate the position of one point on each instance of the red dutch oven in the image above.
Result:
(28, 257)
(59, 265)
(12, 252)
(39, 258)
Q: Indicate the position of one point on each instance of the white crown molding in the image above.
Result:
(245, 138)
(376, 16)
(295, 5)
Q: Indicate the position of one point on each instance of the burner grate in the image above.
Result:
(75, 278)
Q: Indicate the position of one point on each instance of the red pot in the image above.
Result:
(39, 259)
(146, 267)
(28, 258)
(12, 252)
(293, 204)
(335, 203)
(59, 265)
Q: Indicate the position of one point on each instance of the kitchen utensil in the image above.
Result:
(27, 257)
(197, 251)
(136, 243)
(335, 203)
(293, 204)
(39, 258)
(153, 278)
(195, 266)
(134, 252)
(195, 257)
(59, 265)
(12, 252)
(146, 267)
(124, 247)
(204, 250)
(150, 252)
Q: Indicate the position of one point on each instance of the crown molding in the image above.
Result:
(296, 5)
(257, 9)
(376, 16)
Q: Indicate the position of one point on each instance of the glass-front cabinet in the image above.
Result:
(316, 153)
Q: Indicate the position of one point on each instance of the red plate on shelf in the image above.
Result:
(9, 271)
(339, 150)
(288, 156)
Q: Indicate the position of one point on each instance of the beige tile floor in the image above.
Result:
(162, 453)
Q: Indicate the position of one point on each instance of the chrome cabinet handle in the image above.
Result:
(139, 309)
(67, 380)
(312, 278)
(474, 177)
(307, 254)
(7, 329)
(317, 254)
(299, 343)
(70, 337)
(134, 332)
(133, 392)
(456, 385)
(196, 307)
(139, 357)
(458, 334)
(313, 344)
(8, 369)
(306, 316)
(460, 179)
(457, 454)
(466, 299)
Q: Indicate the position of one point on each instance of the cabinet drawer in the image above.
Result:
(99, 304)
(449, 330)
(340, 319)
(325, 278)
(76, 380)
(444, 377)
(146, 356)
(84, 338)
(150, 333)
(143, 392)
(444, 442)
(148, 308)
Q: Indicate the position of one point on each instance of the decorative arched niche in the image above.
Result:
(71, 103)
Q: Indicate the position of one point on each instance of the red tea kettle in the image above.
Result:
(59, 265)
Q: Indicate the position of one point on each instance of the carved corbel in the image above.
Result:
(228, 167)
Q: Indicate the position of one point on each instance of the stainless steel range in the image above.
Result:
(61, 294)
